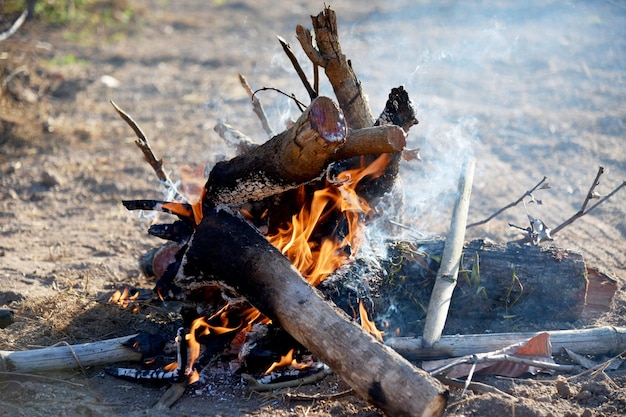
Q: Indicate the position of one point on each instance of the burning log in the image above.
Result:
(228, 251)
(69, 356)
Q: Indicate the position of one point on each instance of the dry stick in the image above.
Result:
(143, 144)
(296, 65)
(69, 357)
(257, 107)
(449, 268)
(508, 206)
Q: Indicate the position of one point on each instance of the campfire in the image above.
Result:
(269, 245)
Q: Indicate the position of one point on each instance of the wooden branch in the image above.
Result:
(514, 203)
(289, 159)
(257, 107)
(372, 141)
(595, 341)
(329, 56)
(69, 357)
(447, 274)
(227, 250)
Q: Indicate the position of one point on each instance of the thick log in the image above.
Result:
(606, 340)
(69, 356)
(227, 250)
(284, 162)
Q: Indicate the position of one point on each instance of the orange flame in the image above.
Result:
(368, 324)
(122, 298)
(314, 260)
(230, 319)
(287, 360)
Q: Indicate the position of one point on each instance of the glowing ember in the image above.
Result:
(287, 360)
(316, 260)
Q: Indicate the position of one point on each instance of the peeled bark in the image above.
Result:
(226, 250)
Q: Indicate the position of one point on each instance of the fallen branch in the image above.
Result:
(448, 271)
(596, 341)
(69, 357)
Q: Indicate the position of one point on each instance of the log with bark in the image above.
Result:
(227, 251)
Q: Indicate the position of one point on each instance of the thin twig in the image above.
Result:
(257, 107)
(445, 282)
(300, 104)
(143, 144)
(296, 65)
(513, 204)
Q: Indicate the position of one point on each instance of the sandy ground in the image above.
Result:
(532, 90)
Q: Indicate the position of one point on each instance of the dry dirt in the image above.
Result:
(530, 88)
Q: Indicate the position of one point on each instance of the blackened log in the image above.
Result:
(289, 159)
(228, 250)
